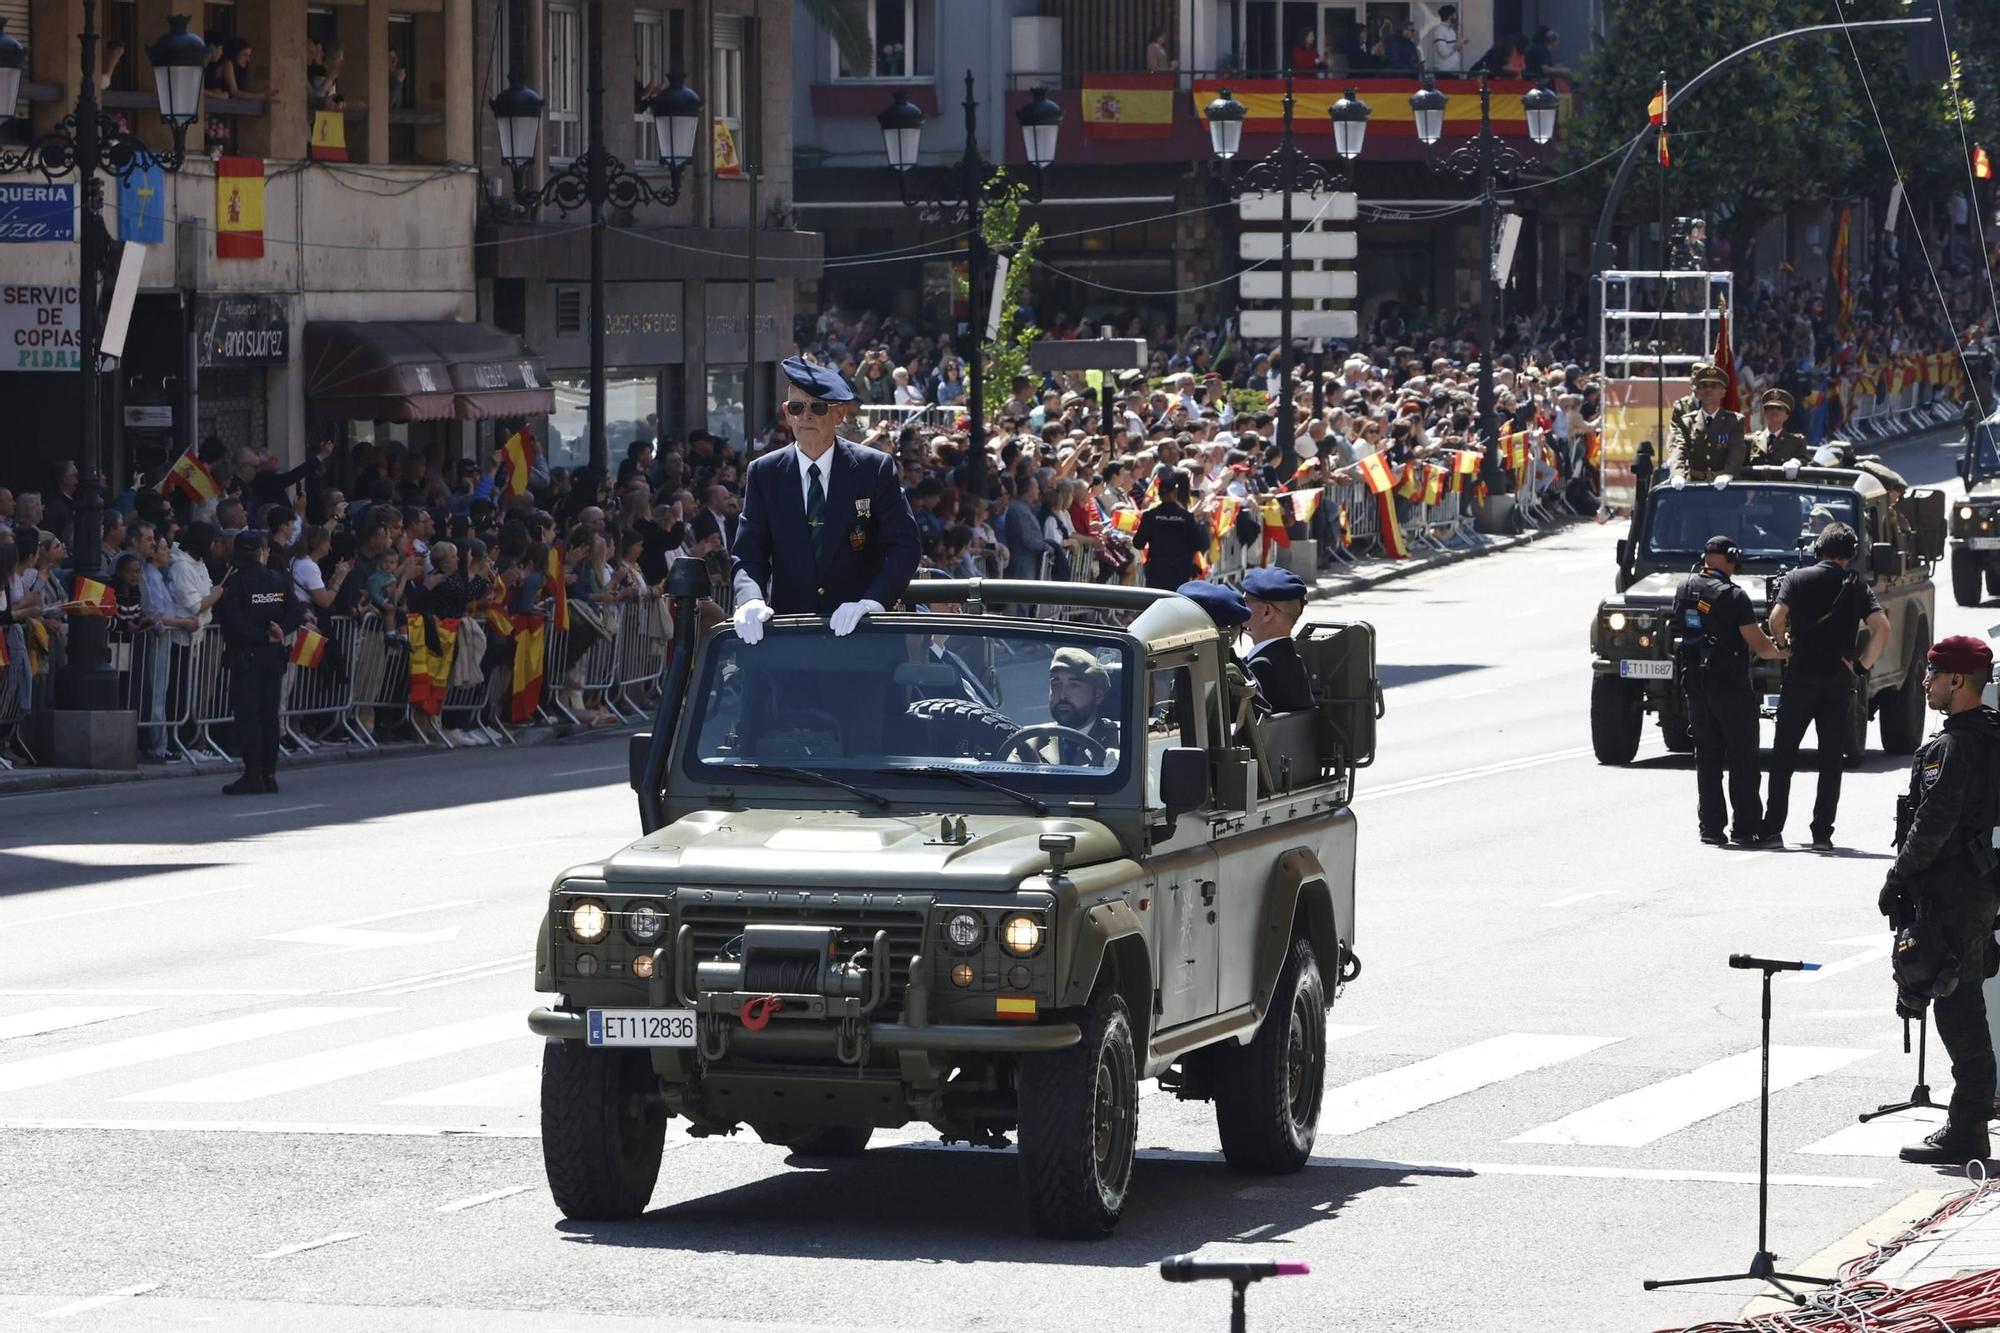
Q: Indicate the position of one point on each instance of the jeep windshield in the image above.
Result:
(1767, 520)
(1040, 713)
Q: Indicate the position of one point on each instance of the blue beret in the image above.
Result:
(1222, 602)
(817, 380)
(1271, 584)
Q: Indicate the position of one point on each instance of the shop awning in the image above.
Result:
(430, 370)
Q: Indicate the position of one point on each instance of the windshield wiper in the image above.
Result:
(966, 779)
(880, 801)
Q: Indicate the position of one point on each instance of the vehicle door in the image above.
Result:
(1182, 869)
(1899, 591)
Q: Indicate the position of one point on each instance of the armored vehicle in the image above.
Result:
(1774, 514)
(1975, 520)
(879, 886)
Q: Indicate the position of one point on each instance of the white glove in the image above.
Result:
(848, 615)
(749, 621)
(1679, 482)
(1721, 480)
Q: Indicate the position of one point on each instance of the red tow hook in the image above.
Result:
(756, 1013)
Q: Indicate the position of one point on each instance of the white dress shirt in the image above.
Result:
(806, 462)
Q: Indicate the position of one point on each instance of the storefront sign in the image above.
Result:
(38, 327)
(642, 326)
(32, 213)
(728, 319)
(149, 416)
(243, 331)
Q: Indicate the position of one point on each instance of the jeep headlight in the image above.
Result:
(1616, 622)
(1965, 513)
(644, 921)
(588, 922)
(1021, 935)
(964, 930)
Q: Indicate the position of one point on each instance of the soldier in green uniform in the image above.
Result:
(1704, 439)
(1774, 445)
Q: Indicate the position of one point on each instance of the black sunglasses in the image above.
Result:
(795, 408)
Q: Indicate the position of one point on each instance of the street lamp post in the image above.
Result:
(1490, 161)
(902, 139)
(1288, 171)
(596, 179)
(90, 145)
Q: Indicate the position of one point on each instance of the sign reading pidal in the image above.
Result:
(38, 327)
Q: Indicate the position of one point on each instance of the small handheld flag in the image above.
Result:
(308, 648)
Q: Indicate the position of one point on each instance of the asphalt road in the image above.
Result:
(263, 1065)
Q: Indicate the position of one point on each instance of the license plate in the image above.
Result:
(1983, 543)
(641, 1027)
(1632, 668)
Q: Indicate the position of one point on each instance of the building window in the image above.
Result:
(725, 402)
(631, 412)
(564, 98)
(898, 42)
(727, 81)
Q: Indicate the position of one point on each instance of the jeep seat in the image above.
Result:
(1287, 749)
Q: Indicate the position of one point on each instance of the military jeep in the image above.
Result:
(1975, 520)
(880, 887)
(1774, 514)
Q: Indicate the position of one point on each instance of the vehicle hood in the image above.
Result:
(1986, 488)
(1657, 591)
(768, 848)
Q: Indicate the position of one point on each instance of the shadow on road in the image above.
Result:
(1806, 770)
(31, 874)
(1392, 676)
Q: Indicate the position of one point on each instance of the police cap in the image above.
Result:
(1223, 603)
(819, 381)
(1272, 584)
(1961, 655)
(1080, 662)
(249, 542)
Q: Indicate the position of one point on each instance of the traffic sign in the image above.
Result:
(1305, 245)
(1307, 285)
(1334, 206)
(1305, 324)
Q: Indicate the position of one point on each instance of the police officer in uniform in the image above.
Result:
(1277, 599)
(1170, 536)
(258, 616)
(1774, 446)
(1943, 875)
(1819, 614)
(1705, 439)
(1717, 630)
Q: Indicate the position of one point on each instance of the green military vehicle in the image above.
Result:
(879, 886)
(1975, 520)
(1773, 513)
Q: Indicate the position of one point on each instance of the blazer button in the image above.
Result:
(822, 592)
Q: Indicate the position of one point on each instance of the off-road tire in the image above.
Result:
(1268, 1093)
(975, 727)
(1902, 717)
(603, 1128)
(1965, 578)
(1615, 719)
(1079, 1125)
(831, 1141)
(1992, 577)
(1676, 732)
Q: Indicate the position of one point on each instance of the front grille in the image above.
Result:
(718, 924)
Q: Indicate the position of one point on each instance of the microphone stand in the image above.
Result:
(1763, 1264)
(1920, 1096)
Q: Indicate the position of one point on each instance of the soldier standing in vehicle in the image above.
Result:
(258, 615)
(1775, 445)
(1705, 439)
(1170, 536)
(1277, 599)
(1819, 613)
(1717, 630)
(1944, 871)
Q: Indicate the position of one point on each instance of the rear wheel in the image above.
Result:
(603, 1129)
(1903, 711)
(1079, 1124)
(1965, 577)
(1676, 732)
(1616, 714)
(1268, 1093)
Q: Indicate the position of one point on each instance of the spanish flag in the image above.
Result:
(1375, 471)
(91, 598)
(1593, 449)
(1982, 165)
(432, 643)
(239, 208)
(524, 682)
(1273, 514)
(558, 590)
(329, 137)
(1125, 520)
(1392, 530)
(519, 456)
(1466, 462)
(191, 477)
(1412, 485)
(1305, 504)
(1128, 106)
(308, 648)
(1433, 484)
(1656, 114)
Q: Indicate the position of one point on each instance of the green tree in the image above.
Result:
(1000, 225)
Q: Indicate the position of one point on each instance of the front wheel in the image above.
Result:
(1268, 1093)
(1616, 713)
(1965, 577)
(1079, 1124)
(603, 1129)
(1903, 711)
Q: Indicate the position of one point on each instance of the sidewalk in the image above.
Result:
(1373, 572)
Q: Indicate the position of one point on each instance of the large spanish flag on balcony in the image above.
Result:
(1388, 102)
(239, 208)
(1128, 106)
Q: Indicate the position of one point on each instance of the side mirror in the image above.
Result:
(637, 748)
(1183, 780)
(1624, 552)
(688, 577)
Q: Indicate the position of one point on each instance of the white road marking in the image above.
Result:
(301, 1247)
(119, 907)
(1646, 1114)
(1471, 694)
(311, 1071)
(491, 1196)
(519, 1086)
(1882, 1137)
(1873, 949)
(1383, 1097)
(98, 1302)
(53, 1068)
(579, 772)
(347, 936)
(506, 970)
(1576, 898)
(37, 1021)
(388, 987)
(281, 810)
(1468, 774)
(274, 1127)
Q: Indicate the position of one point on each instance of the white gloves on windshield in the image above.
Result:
(749, 621)
(848, 615)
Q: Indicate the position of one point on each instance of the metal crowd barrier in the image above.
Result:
(1918, 405)
(326, 691)
(644, 631)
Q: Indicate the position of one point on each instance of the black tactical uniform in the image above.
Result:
(1171, 537)
(256, 598)
(1714, 667)
(1827, 605)
(1944, 870)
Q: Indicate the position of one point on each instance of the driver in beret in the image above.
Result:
(1078, 684)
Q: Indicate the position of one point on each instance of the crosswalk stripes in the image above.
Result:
(1646, 1114)
(38, 1021)
(308, 1071)
(1380, 1098)
(1883, 1137)
(35, 1071)
(519, 1086)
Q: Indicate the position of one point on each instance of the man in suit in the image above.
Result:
(1277, 599)
(826, 529)
(1704, 439)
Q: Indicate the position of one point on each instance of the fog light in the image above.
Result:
(644, 922)
(1021, 935)
(964, 930)
(588, 921)
(1019, 976)
(642, 965)
(1645, 641)
(961, 974)
(586, 964)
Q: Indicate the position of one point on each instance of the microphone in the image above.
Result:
(1188, 1269)
(1745, 960)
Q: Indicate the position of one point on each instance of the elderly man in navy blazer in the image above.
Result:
(1277, 599)
(826, 529)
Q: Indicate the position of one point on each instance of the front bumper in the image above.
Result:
(564, 1025)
